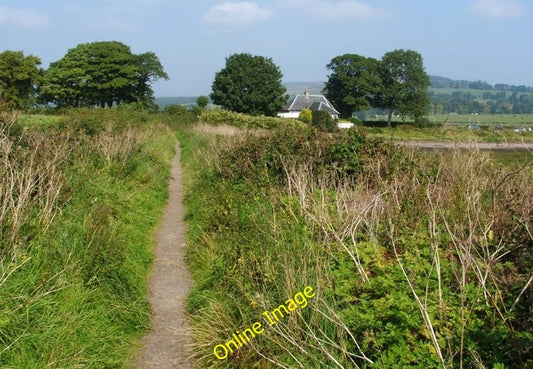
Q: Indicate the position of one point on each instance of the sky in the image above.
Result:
(487, 40)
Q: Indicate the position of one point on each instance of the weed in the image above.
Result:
(418, 260)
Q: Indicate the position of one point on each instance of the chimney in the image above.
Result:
(306, 94)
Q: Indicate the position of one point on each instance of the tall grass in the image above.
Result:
(80, 200)
(417, 260)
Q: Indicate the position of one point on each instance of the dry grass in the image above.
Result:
(227, 130)
(31, 181)
(480, 207)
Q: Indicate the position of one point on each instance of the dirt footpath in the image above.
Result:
(167, 344)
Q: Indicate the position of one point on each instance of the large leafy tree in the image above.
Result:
(249, 84)
(405, 84)
(19, 78)
(353, 83)
(100, 74)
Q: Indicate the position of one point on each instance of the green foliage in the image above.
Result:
(323, 121)
(353, 82)
(397, 83)
(356, 121)
(371, 226)
(100, 74)
(175, 109)
(201, 105)
(246, 121)
(75, 252)
(202, 101)
(405, 84)
(19, 78)
(306, 116)
(249, 84)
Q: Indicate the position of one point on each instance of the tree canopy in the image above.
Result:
(100, 74)
(405, 84)
(249, 84)
(353, 83)
(19, 77)
(398, 82)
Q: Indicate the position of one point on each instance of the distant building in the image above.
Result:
(306, 101)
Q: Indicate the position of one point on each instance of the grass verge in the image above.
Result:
(80, 201)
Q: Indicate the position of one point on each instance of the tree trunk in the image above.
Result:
(390, 118)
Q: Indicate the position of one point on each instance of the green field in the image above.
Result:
(450, 132)
(506, 120)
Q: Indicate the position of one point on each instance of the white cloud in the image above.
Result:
(498, 8)
(337, 10)
(22, 17)
(237, 14)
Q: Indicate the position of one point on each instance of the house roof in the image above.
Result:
(312, 102)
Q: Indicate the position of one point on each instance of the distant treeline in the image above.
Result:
(465, 97)
(464, 102)
(478, 97)
(443, 82)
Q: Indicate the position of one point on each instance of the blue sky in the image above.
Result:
(489, 40)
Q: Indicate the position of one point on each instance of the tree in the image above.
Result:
(202, 101)
(249, 84)
(353, 83)
(100, 74)
(150, 70)
(404, 84)
(19, 78)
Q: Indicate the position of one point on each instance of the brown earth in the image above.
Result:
(168, 343)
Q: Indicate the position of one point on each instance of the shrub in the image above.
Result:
(323, 121)
(356, 121)
(306, 116)
(175, 109)
(240, 120)
(422, 122)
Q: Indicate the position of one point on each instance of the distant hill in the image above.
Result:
(294, 88)
(443, 82)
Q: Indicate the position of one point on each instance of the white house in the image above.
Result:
(306, 101)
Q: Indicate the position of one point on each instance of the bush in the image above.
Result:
(323, 121)
(356, 121)
(240, 120)
(175, 109)
(422, 122)
(306, 116)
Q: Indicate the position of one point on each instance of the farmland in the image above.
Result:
(506, 120)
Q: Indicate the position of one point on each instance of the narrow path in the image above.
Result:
(167, 344)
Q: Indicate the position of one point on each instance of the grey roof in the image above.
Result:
(312, 102)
